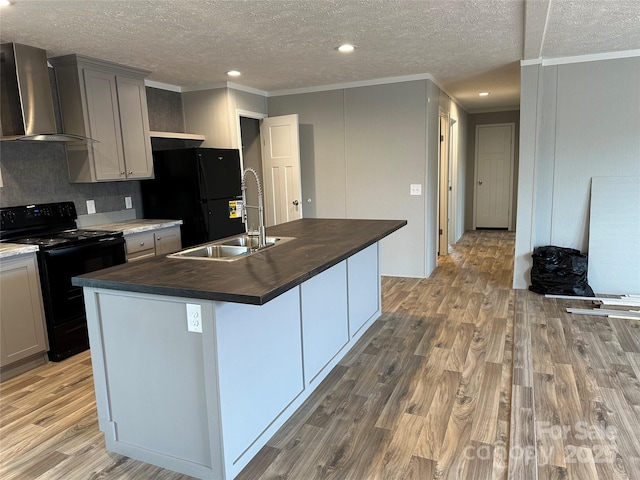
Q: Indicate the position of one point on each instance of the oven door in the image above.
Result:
(64, 303)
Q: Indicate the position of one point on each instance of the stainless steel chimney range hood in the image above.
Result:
(26, 101)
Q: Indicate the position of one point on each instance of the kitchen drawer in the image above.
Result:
(139, 242)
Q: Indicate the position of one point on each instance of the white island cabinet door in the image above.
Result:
(259, 368)
(325, 326)
(364, 287)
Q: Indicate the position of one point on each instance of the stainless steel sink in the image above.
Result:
(229, 249)
(213, 252)
(249, 241)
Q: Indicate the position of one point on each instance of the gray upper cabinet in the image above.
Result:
(106, 102)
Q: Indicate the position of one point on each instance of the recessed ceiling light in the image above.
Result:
(484, 94)
(347, 47)
(233, 73)
(4, 3)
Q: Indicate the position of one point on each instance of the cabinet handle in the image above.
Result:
(295, 202)
(130, 172)
(142, 244)
(122, 172)
(159, 238)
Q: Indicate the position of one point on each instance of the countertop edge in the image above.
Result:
(9, 250)
(85, 281)
(166, 291)
(130, 227)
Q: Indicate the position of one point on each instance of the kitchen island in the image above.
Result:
(273, 325)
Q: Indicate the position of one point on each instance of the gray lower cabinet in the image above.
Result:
(167, 240)
(106, 102)
(140, 245)
(152, 242)
(260, 368)
(325, 323)
(22, 324)
(205, 403)
(363, 273)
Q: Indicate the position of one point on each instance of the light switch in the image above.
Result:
(415, 189)
(127, 202)
(91, 206)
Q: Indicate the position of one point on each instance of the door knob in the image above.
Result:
(480, 182)
(295, 202)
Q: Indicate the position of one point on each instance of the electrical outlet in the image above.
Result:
(415, 189)
(127, 202)
(91, 206)
(194, 318)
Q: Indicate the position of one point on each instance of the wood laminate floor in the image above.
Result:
(442, 386)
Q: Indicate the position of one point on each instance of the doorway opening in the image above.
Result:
(251, 157)
(270, 145)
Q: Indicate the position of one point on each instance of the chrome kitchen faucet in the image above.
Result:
(262, 235)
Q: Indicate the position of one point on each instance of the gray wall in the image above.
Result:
(475, 119)
(212, 113)
(165, 110)
(577, 121)
(361, 148)
(322, 149)
(386, 134)
(205, 113)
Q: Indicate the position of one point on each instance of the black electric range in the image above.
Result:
(64, 251)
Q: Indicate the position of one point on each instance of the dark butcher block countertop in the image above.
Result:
(319, 244)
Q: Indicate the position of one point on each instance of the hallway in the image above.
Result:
(427, 393)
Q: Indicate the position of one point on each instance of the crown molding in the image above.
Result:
(243, 88)
(208, 86)
(531, 61)
(341, 86)
(594, 57)
(162, 86)
(297, 91)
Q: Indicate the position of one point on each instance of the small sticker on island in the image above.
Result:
(235, 208)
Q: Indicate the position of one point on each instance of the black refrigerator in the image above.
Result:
(198, 186)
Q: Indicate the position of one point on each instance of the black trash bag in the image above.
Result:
(560, 271)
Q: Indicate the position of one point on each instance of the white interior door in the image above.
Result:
(494, 171)
(281, 169)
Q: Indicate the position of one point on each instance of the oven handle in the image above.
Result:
(103, 243)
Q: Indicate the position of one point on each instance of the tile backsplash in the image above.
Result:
(36, 172)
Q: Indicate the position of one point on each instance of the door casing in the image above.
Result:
(293, 211)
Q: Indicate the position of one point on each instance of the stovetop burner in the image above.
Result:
(66, 237)
(46, 225)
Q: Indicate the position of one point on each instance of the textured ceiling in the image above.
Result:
(466, 45)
